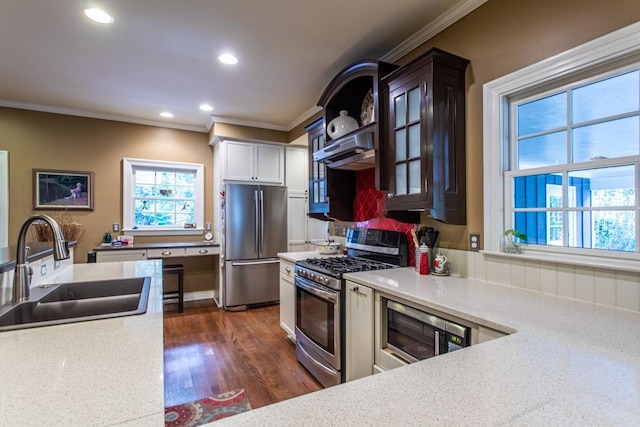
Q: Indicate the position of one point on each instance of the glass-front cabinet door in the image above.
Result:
(425, 139)
(408, 168)
(317, 171)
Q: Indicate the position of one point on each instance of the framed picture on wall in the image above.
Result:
(57, 189)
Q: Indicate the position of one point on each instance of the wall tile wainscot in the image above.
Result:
(603, 286)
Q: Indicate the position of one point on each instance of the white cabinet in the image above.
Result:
(121, 255)
(359, 331)
(297, 169)
(253, 162)
(287, 299)
(302, 230)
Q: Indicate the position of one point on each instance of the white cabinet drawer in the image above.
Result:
(165, 253)
(211, 250)
(286, 268)
(121, 255)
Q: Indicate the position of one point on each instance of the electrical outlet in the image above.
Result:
(115, 227)
(43, 270)
(207, 226)
(474, 242)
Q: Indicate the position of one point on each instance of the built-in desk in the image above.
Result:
(142, 251)
(145, 251)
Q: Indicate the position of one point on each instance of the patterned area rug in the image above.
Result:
(206, 410)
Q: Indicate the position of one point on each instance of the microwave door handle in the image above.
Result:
(437, 343)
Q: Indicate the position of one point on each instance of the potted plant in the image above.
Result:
(513, 241)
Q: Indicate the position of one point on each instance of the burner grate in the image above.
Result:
(347, 264)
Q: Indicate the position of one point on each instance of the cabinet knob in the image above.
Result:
(203, 251)
(287, 269)
(389, 195)
(166, 253)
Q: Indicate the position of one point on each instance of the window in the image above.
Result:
(162, 197)
(4, 199)
(562, 152)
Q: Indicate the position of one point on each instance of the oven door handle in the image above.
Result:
(316, 290)
(314, 361)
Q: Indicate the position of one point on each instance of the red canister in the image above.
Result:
(424, 260)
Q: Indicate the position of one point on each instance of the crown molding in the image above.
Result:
(306, 115)
(255, 124)
(94, 115)
(454, 14)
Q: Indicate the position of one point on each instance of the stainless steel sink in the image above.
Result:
(79, 301)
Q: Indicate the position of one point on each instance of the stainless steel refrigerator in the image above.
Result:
(255, 230)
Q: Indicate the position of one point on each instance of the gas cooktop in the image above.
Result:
(341, 265)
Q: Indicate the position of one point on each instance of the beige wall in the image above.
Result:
(503, 36)
(54, 141)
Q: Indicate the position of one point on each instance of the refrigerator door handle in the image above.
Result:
(266, 261)
(255, 202)
(261, 220)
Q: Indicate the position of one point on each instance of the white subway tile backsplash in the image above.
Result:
(602, 286)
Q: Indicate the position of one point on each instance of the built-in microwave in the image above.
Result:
(407, 334)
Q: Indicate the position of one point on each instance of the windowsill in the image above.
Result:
(174, 232)
(576, 260)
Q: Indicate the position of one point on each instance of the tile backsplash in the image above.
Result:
(596, 285)
(369, 207)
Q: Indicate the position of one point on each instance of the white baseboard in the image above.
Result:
(200, 295)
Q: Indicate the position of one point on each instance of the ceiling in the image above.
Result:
(160, 55)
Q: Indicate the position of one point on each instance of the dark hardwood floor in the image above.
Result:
(208, 351)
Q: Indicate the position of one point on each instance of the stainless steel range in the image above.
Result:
(320, 299)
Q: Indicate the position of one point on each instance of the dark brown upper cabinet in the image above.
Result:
(424, 139)
(331, 192)
(354, 89)
(332, 182)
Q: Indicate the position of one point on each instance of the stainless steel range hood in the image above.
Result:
(354, 151)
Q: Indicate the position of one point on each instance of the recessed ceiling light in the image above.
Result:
(227, 58)
(206, 107)
(98, 15)
(166, 114)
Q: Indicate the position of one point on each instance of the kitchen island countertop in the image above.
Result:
(98, 373)
(566, 362)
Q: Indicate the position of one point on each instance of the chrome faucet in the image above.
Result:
(22, 277)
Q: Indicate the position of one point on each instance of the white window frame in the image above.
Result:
(128, 192)
(612, 47)
(4, 199)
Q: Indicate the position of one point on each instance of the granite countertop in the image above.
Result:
(299, 256)
(97, 373)
(566, 362)
(37, 250)
(202, 244)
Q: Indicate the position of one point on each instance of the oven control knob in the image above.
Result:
(301, 272)
(326, 281)
(311, 276)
